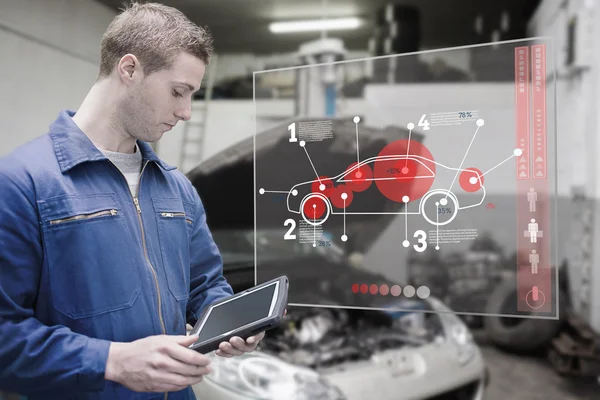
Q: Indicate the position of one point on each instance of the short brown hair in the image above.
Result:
(155, 34)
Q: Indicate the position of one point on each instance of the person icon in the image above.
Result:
(533, 230)
(534, 260)
(532, 199)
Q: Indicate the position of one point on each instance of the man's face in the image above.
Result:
(157, 102)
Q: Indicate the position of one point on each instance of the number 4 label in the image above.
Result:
(424, 123)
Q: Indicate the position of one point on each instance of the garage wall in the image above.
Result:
(579, 128)
(51, 52)
(233, 65)
(228, 122)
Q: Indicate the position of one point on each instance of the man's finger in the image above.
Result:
(226, 347)
(188, 356)
(223, 354)
(166, 378)
(240, 344)
(253, 340)
(181, 339)
(186, 370)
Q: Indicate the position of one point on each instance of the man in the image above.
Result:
(105, 252)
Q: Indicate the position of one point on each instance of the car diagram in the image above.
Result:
(415, 167)
(404, 172)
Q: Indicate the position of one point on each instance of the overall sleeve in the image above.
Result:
(207, 283)
(34, 357)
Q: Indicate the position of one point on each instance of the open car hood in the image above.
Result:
(225, 182)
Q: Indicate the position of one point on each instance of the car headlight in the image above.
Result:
(456, 331)
(259, 376)
(462, 338)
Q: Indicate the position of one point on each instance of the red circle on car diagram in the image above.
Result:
(471, 180)
(359, 179)
(337, 199)
(398, 175)
(314, 207)
(323, 182)
(405, 169)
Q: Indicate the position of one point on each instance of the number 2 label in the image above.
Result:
(289, 235)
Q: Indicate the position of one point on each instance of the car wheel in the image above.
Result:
(441, 196)
(521, 335)
(319, 198)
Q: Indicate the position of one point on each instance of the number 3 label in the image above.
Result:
(422, 241)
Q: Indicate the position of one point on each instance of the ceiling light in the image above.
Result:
(315, 25)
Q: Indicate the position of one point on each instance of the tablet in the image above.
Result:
(244, 314)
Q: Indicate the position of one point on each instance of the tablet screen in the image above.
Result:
(237, 312)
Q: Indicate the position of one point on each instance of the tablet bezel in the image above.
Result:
(196, 331)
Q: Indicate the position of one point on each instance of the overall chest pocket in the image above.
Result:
(90, 252)
(174, 219)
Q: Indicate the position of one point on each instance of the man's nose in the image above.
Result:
(185, 113)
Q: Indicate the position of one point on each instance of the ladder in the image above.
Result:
(194, 130)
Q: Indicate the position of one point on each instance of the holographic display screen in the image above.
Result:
(429, 175)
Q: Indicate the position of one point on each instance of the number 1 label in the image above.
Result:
(292, 129)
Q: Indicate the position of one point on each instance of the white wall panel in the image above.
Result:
(50, 58)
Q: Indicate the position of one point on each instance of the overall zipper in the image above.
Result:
(84, 216)
(139, 215)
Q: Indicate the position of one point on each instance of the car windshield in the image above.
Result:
(356, 168)
(237, 246)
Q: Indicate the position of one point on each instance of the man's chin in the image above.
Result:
(154, 138)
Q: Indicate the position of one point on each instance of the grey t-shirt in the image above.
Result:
(129, 164)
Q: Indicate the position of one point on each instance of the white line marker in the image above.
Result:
(311, 163)
(405, 199)
(315, 226)
(263, 191)
(356, 121)
(479, 125)
(410, 127)
(508, 159)
(437, 220)
(344, 235)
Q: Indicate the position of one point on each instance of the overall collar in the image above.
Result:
(72, 147)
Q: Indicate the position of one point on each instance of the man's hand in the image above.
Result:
(156, 364)
(237, 346)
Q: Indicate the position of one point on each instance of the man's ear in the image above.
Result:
(127, 67)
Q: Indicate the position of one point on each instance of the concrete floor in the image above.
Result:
(517, 377)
